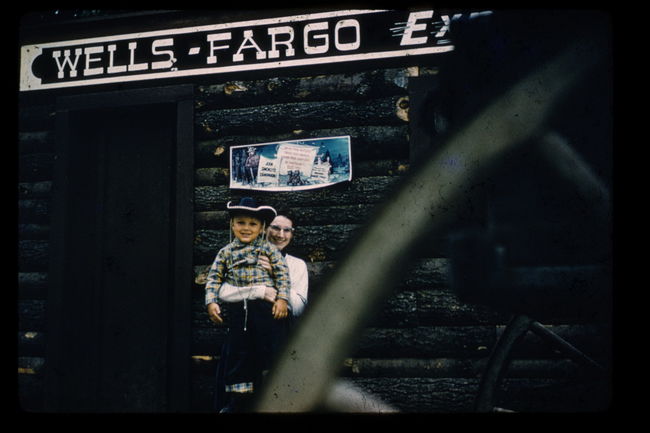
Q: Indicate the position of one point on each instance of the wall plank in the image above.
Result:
(276, 90)
(302, 115)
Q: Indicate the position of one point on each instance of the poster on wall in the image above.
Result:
(291, 165)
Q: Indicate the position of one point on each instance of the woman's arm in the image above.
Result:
(299, 284)
(230, 293)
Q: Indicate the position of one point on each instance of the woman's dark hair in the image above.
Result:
(287, 214)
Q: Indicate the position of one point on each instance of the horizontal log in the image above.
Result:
(211, 176)
(31, 343)
(204, 365)
(32, 280)
(390, 167)
(35, 190)
(454, 367)
(412, 367)
(35, 167)
(33, 231)
(33, 255)
(425, 342)
(458, 394)
(540, 369)
(30, 365)
(412, 395)
(36, 142)
(572, 395)
(207, 340)
(429, 367)
(34, 211)
(359, 191)
(276, 90)
(221, 176)
(430, 308)
(303, 115)
(211, 220)
(32, 285)
(368, 142)
(31, 315)
(470, 341)
(427, 273)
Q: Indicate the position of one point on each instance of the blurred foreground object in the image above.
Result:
(430, 199)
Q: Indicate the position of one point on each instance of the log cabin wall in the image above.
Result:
(371, 107)
(423, 352)
(36, 159)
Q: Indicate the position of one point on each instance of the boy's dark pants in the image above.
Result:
(248, 354)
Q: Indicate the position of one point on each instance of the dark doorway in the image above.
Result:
(121, 268)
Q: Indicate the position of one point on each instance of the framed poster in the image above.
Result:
(291, 165)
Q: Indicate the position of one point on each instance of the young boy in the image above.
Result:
(256, 328)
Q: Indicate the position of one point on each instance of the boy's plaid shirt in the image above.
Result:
(236, 263)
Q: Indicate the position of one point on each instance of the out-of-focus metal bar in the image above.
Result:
(424, 204)
(565, 347)
(499, 360)
(567, 165)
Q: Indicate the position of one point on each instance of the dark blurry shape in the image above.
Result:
(546, 246)
(428, 202)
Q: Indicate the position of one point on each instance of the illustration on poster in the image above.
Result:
(291, 165)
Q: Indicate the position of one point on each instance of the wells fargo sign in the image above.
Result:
(293, 41)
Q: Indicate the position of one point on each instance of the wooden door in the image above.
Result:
(121, 290)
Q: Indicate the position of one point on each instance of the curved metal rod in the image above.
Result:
(499, 361)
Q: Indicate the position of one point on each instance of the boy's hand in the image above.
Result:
(269, 294)
(280, 309)
(214, 312)
(264, 262)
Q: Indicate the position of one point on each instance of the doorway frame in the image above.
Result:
(182, 227)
